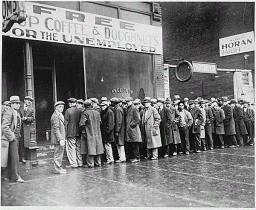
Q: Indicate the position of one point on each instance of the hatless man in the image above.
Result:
(11, 126)
(133, 133)
(58, 137)
(73, 144)
(27, 113)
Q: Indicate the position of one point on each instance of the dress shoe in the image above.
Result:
(20, 180)
(154, 158)
(135, 160)
(232, 146)
(211, 148)
(174, 154)
(198, 151)
(222, 147)
(187, 153)
(165, 156)
(23, 160)
(109, 162)
(71, 166)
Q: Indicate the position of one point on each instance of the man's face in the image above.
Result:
(28, 102)
(15, 106)
(71, 104)
(103, 107)
(191, 105)
(124, 105)
(159, 104)
(79, 105)
(232, 105)
(129, 103)
(147, 105)
(181, 106)
(245, 105)
(60, 108)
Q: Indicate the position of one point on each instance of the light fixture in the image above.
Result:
(102, 80)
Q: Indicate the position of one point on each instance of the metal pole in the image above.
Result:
(85, 79)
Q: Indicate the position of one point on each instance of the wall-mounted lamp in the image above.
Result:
(102, 80)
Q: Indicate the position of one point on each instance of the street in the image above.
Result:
(215, 178)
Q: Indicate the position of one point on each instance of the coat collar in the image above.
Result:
(147, 113)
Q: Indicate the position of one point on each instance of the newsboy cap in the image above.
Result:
(191, 102)
(153, 101)
(147, 100)
(233, 101)
(224, 98)
(87, 102)
(104, 103)
(94, 100)
(176, 97)
(59, 103)
(80, 101)
(28, 98)
(129, 99)
(186, 99)
(136, 101)
(161, 100)
(115, 100)
(71, 100)
(7, 103)
(103, 98)
(14, 99)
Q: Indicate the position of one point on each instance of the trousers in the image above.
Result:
(184, 135)
(73, 148)
(58, 157)
(13, 159)
(109, 152)
(121, 153)
(93, 160)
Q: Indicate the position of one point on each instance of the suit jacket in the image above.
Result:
(209, 115)
(107, 125)
(72, 118)
(229, 123)
(9, 124)
(198, 120)
(57, 128)
(165, 126)
(239, 121)
(219, 117)
(119, 125)
(248, 115)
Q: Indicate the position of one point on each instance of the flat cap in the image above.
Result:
(103, 98)
(147, 100)
(153, 101)
(246, 102)
(87, 102)
(161, 100)
(168, 101)
(115, 100)
(233, 101)
(94, 100)
(28, 98)
(176, 97)
(202, 101)
(224, 98)
(129, 99)
(136, 101)
(80, 101)
(15, 99)
(104, 103)
(191, 102)
(72, 100)
(7, 103)
(186, 99)
(59, 103)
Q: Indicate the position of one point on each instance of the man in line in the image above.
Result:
(133, 133)
(95, 103)
(11, 126)
(58, 136)
(90, 125)
(27, 113)
(73, 144)
(248, 115)
(208, 126)
(5, 106)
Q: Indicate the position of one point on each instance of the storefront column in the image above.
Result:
(29, 85)
(85, 79)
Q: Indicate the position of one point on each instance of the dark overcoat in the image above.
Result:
(219, 117)
(72, 118)
(198, 119)
(119, 125)
(57, 128)
(229, 123)
(174, 131)
(239, 121)
(28, 125)
(165, 126)
(91, 140)
(133, 133)
(150, 123)
(107, 125)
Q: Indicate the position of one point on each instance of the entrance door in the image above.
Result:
(43, 80)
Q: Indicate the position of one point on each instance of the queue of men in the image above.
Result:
(106, 132)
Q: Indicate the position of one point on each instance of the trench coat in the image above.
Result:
(119, 125)
(174, 131)
(239, 121)
(72, 118)
(229, 123)
(57, 128)
(165, 126)
(107, 125)
(202, 128)
(219, 117)
(133, 133)
(9, 125)
(197, 119)
(150, 123)
(91, 140)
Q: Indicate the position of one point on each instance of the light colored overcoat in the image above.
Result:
(57, 128)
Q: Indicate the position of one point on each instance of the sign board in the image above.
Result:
(202, 67)
(60, 25)
(239, 43)
(166, 81)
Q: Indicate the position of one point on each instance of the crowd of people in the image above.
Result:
(119, 130)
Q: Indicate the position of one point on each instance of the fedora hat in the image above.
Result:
(14, 99)
(104, 103)
(87, 102)
(161, 100)
(59, 103)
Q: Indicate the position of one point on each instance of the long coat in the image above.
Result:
(229, 123)
(150, 122)
(119, 125)
(107, 125)
(9, 125)
(174, 131)
(91, 140)
(57, 128)
(219, 117)
(165, 126)
(202, 128)
(28, 125)
(197, 119)
(133, 133)
(239, 121)
(72, 118)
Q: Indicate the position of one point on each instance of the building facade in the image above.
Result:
(82, 50)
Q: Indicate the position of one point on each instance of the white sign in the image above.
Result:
(239, 43)
(166, 81)
(202, 67)
(54, 24)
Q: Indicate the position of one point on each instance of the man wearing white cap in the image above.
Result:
(58, 135)
(11, 126)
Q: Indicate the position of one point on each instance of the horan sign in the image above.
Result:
(239, 43)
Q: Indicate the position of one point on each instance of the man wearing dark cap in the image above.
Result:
(92, 144)
(27, 114)
(133, 133)
(11, 126)
(241, 131)
(229, 124)
(248, 116)
(58, 137)
(73, 145)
